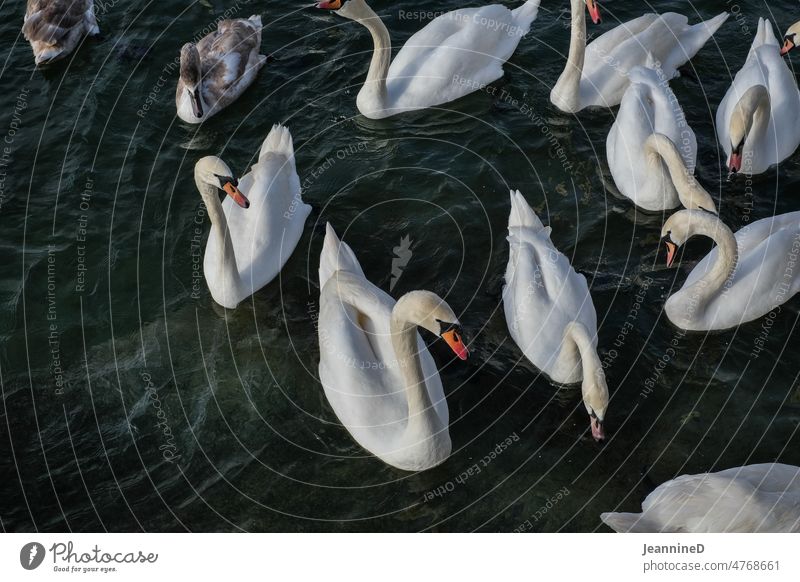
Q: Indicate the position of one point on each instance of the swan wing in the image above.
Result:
(49, 21)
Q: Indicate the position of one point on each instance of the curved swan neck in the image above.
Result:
(590, 361)
(690, 193)
(404, 341)
(374, 87)
(703, 223)
(751, 114)
(567, 88)
(226, 269)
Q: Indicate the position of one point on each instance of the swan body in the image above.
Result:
(651, 150)
(758, 120)
(217, 70)
(55, 27)
(256, 229)
(455, 54)
(597, 75)
(549, 311)
(743, 278)
(375, 369)
(756, 498)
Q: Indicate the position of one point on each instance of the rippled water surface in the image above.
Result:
(104, 346)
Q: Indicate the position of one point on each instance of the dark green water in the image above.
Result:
(104, 347)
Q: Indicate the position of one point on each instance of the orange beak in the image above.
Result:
(735, 163)
(787, 46)
(672, 249)
(330, 4)
(594, 11)
(237, 196)
(456, 344)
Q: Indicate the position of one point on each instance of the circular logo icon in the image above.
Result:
(31, 555)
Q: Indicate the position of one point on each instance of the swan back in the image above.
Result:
(754, 498)
(55, 27)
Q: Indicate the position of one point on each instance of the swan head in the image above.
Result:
(595, 398)
(429, 311)
(791, 38)
(754, 102)
(594, 11)
(214, 172)
(191, 75)
(683, 225)
(352, 9)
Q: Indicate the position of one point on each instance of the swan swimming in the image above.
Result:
(375, 369)
(55, 27)
(597, 75)
(217, 70)
(256, 229)
(549, 311)
(456, 54)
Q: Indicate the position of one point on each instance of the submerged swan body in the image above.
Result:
(756, 498)
(256, 229)
(455, 54)
(217, 70)
(375, 369)
(743, 278)
(55, 27)
(596, 75)
(651, 150)
(758, 120)
(549, 311)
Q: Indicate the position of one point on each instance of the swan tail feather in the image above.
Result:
(279, 141)
(256, 19)
(522, 215)
(524, 15)
(709, 27)
(629, 523)
(336, 256)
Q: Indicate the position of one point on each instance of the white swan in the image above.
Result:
(550, 313)
(455, 54)
(217, 70)
(758, 120)
(645, 161)
(597, 75)
(55, 27)
(377, 373)
(756, 498)
(255, 231)
(743, 278)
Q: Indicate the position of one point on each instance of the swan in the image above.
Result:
(455, 54)
(217, 70)
(375, 370)
(758, 120)
(743, 278)
(255, 231)
(55, 27)
(790, 39)
(755, 498)
(550, 313)
(597, 75)
(645, 161)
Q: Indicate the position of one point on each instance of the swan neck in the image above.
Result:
(690, 193)
(567, 88)
(590, 361)
(753, 111)
(421, 415)
(226, 270)
(727, 256)
(374, 87)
